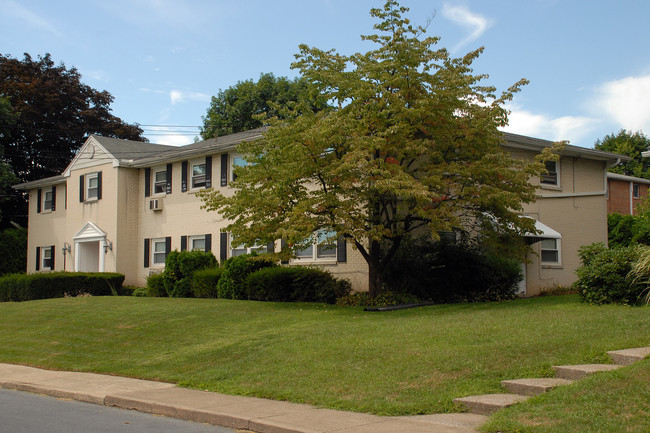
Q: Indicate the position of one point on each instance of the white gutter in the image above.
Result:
(572, 194)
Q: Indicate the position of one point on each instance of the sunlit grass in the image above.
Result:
(402, 362)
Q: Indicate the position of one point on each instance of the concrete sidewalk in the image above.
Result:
(246, 413)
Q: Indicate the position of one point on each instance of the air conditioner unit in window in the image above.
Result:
(155, 204)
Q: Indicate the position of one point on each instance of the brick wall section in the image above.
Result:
(619, 195)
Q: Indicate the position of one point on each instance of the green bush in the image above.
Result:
(232, 284)
(363, 299)
(13, 251)
(603, 276)
(155, 286)
(295, 284)
(179, 268)
(26, 287)
(204, 283)
(442, 272)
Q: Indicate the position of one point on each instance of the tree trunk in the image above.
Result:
(375, 270)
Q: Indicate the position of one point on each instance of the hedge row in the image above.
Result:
(27, 287)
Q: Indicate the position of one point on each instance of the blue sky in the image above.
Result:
(162, 60)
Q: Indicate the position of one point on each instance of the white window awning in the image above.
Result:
(544, 232)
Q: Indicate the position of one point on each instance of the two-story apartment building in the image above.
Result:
(122, 206)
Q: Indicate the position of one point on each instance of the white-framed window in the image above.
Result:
(46, 258)
(241, 249)
(635, 190)
(322, 247)
(550, 250)
(158, 251)
(47, 200)
(237, 161)
(196, 243)
(198, 175)
(552, 177)
(160, 181)
(92, 186)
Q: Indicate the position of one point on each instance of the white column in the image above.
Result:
(102, 254)
(76, 256)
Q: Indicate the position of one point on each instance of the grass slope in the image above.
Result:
(402, 362)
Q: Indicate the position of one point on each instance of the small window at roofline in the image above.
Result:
(635, 190)
(47, 200)
(551, 177)
(160, 182)
(198, 175)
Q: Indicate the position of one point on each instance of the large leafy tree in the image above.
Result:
(54, 113)
(630, 144)
(410, 146)
(245, 105)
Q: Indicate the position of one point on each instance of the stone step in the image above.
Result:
(487, 404)
(575, 372)
(533, 386)
(629, 356)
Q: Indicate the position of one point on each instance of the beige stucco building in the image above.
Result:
(121, 206)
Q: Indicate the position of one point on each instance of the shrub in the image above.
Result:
(443, 272)
(179, 268)
(13, 250)
(295, 284)
(603, 277)
(204, 283)
(156, 286)
(26, 287)
(362, 299)
(232, 284)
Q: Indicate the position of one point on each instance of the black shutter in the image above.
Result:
(168, 246)
(208, 242)
(183, 243)
(38, 258)
(39, 196)
(147, 182)
(99, 185)
(270, 247)
(54, 198)
(208, 172)
(81, 188)
(184, 176)
(168, 187)
(52, 255)
(341, 251)
(223, 246)
(224, 169)
(146, 253)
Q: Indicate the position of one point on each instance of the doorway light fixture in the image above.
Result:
(108, 246)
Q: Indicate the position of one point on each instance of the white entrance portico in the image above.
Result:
(89, 243)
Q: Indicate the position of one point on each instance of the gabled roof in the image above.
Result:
(537, 144)
(47, 181)
(626, 178)
(126, 150)
(213, 145)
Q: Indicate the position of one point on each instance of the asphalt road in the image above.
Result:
(22, 412)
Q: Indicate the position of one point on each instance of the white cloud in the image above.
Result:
(626, 102)
(475, 24)
(171, 135)
(11, 8)
(178, 96)
(572, 128)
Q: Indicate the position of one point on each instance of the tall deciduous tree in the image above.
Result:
(245, 105)
(54, 114)
(410, 145)
(629, 144)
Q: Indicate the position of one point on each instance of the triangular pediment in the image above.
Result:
(91, 154)
(89, 231)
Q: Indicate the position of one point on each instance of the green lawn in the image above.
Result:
(411, 361)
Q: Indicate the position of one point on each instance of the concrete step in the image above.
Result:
(576, 372)
(487, 404)
(533, 386)
(629, 356)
